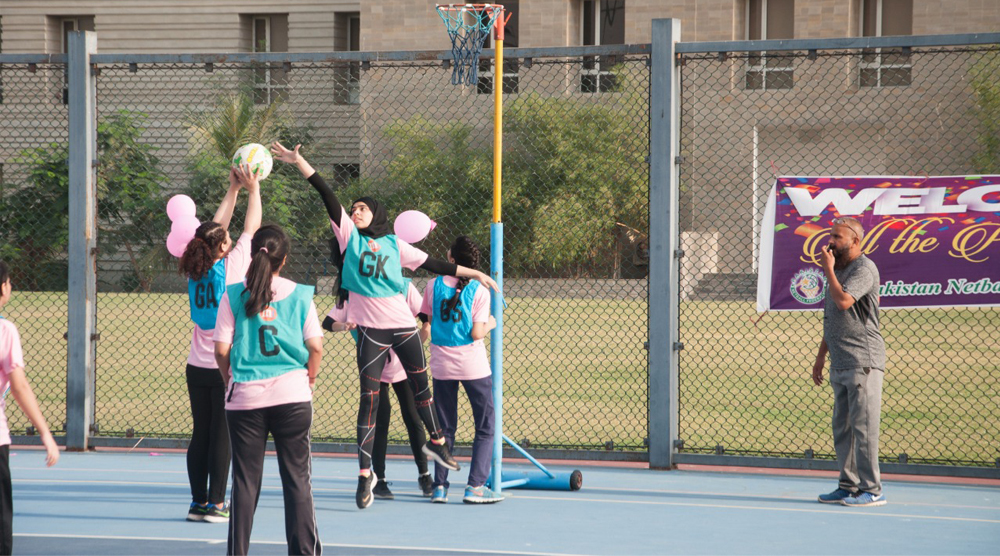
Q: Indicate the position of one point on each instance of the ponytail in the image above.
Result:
(199, 255)
(268, 249)
(466, 253)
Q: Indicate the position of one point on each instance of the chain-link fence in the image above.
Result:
(745, 384)
(33, 226)
(575, 211)
(576, 215)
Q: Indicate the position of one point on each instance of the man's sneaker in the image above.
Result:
(835, 497)
(364, 497)
(440, 495)
(426, 484)
(441, 454)
(216, 514)
(864, 499)
(381, 490)
(196, 512)
(481, 495)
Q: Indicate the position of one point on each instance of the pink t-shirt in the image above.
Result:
(11, 357)
(379, 312)
(468, 362)
(393, 371)
(237, 262)
(291, 387)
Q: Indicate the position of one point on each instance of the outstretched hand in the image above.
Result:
(281, 153)
(488, 282)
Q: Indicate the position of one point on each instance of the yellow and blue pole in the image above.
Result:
(496, 258)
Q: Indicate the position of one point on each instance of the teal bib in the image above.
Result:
(269, 344)
(204, 295)
(452, 328)
(371, 266)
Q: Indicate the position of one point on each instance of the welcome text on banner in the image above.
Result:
(935, 240)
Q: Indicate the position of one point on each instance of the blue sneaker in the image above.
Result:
(481, 495)
(835, 497)
(440, 495)
(864, 499)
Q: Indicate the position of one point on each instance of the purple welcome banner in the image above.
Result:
(935, 240)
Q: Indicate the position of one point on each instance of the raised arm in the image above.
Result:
(333, 206)
(225, 211)
(251, 182)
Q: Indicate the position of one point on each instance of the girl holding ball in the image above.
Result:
(211, 262)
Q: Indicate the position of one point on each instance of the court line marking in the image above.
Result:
(478, 550)
(855, 512)
(529, 497)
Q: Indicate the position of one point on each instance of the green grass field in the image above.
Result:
(576, 375)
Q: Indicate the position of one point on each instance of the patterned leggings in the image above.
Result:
(373, 348)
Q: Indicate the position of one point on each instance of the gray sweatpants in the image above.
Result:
(857, 405)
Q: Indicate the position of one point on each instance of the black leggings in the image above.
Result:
(414, 428)
(208, 454)
(373, 347)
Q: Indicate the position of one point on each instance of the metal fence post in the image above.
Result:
(82, 357)
(664, 242)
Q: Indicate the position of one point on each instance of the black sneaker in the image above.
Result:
(426, 483)
(441, 454)
(216, 514)
(381, 490)
(364, 496)
(196, 512)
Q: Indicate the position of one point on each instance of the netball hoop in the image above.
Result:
(468, 26)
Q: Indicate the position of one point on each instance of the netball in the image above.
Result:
(257, 156)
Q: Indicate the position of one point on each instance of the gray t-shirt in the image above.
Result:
(853, 336)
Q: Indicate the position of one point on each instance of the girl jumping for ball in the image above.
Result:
(372, 276)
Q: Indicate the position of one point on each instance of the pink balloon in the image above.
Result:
(185, 226)
(412, 226)
(180, 206)
(176, 244)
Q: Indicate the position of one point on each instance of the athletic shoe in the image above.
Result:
(364, 497)
(426, 484)
(196, 512)
(216, 514)
(441, 454)
(440, 495)
(481, 495)
(381, 490)
(835, 497)
(864, 499)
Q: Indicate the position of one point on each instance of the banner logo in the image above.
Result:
(808, 286)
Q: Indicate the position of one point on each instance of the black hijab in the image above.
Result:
(379, 227)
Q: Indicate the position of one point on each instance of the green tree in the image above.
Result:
(35, 217)
(985, 80)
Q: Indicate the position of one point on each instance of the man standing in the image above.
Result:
(857, 363)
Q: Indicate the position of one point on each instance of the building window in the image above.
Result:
(269, 33)
(603, 23)
(65, 26)
(885, 67)
(347, 38)
(511, 65)
(344, 174)
(770, 20)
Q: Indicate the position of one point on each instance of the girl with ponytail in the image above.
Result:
(268, 345)
(456, 315)
(371, 276)
(211, 262)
